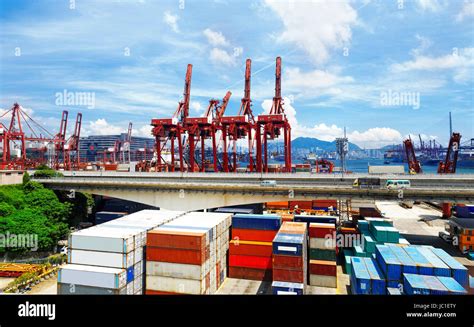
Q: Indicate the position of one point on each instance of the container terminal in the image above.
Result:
(208, 219)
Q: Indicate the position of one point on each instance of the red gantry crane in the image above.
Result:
(450, 162)
(72, 158)
(202, 128)
(268, 127)
(237, 127)
(60, 141)
(414, 166)
(165, 129)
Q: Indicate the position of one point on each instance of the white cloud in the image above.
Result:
(222, 56)
(143, 131)
(461, 63)
(466, 11)
(196, 106)
(371, 138)
(171, 20)
(102, 127)
(314, 80)
(316, 27)
(425, 43)
(430, 5)
(215, 38)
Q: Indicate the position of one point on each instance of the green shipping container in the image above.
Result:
(393, 235)
(379, 232)
(322, 254)
(369, 244)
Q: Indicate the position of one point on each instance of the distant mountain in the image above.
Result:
(309, 142)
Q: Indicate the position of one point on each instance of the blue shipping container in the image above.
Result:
(415, 285)
(261, 222)
(423, 265)
(440, 268)
(360, 278)
(452, 285)
(434, 285)
(289, 244)
(391, 266)
(377, 279)
(458, 271)
(284, 288)
(408, 265)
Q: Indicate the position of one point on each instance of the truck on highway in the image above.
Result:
(397, 184)
(268, 183)
(366, 182)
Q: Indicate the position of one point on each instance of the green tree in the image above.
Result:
(26, 178)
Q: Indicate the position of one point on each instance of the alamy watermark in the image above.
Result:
(12, 241)
(392, 98)
(69, 98)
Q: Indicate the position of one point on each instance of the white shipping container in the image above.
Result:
(137, 284)
(102, 259)
(93, 276)
(387, 169)
(323, 281)
(138, 269)
(175, 285)
(322, 243)
(138, 255)
(103, 239)
(130, 290)
(178, 270)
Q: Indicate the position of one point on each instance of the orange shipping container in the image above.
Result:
(176, 239)
(293, 228)
(277, 205)
(288, 262)
(191, 257)
(301, 205)
(287, 217)
(325, 203)
(467, 239)
(285, 275)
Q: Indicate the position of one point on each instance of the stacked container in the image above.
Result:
(188, 255)
(108, 252)
(322, 255)
(431, 285)
(250, 253)
(290, 259)
(366, 277)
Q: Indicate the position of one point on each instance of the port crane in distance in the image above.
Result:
(414, 166)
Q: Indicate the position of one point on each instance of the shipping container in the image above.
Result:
(250, 261)
(277, 205)
(322, 230)
(101, 259)
(415, 285)
(322, 254)
(458, 271)
(424, 267)
(316, 219)
(75, 289)
(439, 267)
(452, 285)
(322, 243)
(179, 270)
(408, 265)
(250, 273)
(263, 249)
(259, 222)
(293, 228)
(103, 239)
(322, 267)
(175, 285)
(289, 244)
(288, 275)
(253, 235)
(105, 216)
(323, 281)
(360, 278)
(377, 279)
(388, 262)
(92, 276)
(193, 257)
(285, 288)
(288, 262)
(166, 238)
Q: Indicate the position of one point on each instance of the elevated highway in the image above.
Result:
(193, 191)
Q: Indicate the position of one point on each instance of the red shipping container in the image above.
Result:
(287, 262)
(237, 248)
(320, 230)
(301, 205)
(253, 235)
(176, 239)
(250, 273)
(321, 267)
(192, 257)
(325, 203)
(152, 292)
(285, 275)
(248, 261)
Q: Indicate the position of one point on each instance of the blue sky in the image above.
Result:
(340, 58)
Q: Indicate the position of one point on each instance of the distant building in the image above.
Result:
(91, 148)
